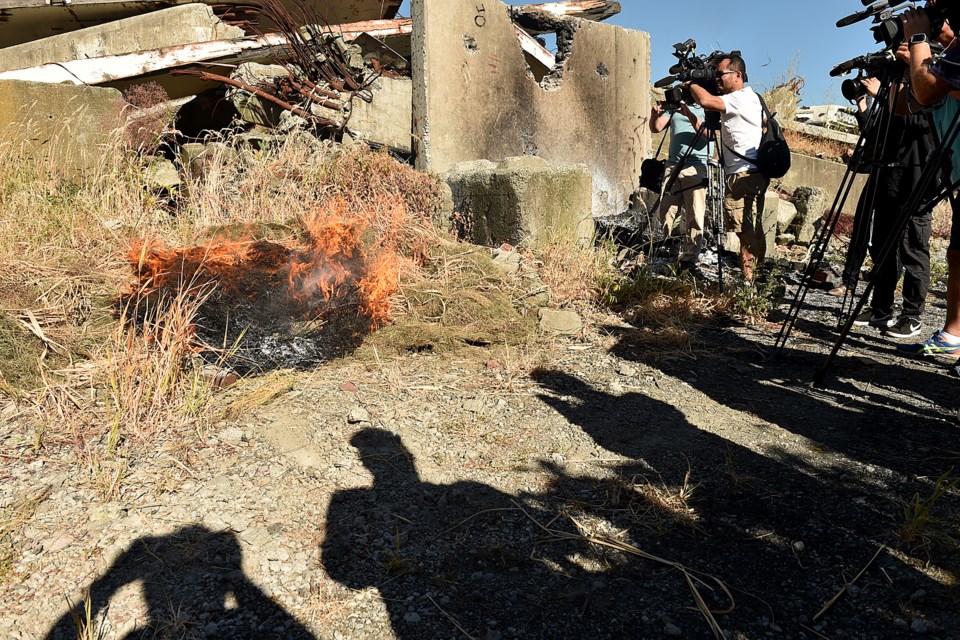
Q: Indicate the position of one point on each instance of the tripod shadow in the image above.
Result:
(194, 586)
(747, 508)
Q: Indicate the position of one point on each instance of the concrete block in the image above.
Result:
(70, 126)
(165, 28)
(814, 172)
(386, 121)
(786, 212)
(475, 96)
(768, 221)
(811, 203)
(521, 199)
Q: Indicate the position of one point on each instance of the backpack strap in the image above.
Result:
(664, 138)
(764, 113)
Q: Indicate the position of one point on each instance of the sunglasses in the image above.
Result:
(720, 74)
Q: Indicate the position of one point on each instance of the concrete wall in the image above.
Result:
(806, 171)
(386, 120)
(474, 97)
(67, 125)
(165, 28)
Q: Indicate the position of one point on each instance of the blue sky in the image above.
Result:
(770, 33)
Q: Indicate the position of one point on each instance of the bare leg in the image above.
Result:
(952, 325)
(748, 240)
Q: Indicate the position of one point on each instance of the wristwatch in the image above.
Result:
(918, 38)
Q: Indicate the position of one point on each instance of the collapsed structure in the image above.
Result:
(463, 89)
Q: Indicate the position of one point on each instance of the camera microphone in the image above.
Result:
(863, 62)
(872, 10)
(664, 82)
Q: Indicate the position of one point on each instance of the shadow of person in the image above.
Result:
(463, 558)
(194, 587)
(743, 510)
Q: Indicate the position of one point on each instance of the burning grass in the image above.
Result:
(323, 232)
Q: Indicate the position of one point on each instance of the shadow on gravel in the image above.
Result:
(194, 587)
(784, 532)
(465, 559)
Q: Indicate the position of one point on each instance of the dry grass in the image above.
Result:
(574, 274)
(814, 146)
(106, 382)
(13, 517)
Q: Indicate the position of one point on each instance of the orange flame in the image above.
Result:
(346, 260)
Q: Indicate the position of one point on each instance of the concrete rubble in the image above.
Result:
(460, 82)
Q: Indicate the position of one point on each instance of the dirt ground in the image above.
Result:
(573, 487)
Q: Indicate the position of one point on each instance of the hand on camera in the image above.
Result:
(903, 53)
(871, 85)
(914, 21)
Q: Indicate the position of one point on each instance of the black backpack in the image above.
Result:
(773, 154)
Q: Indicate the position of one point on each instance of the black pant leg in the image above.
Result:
(859, 238)
(884, 275)
(915, 258)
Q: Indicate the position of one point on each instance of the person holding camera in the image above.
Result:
(741, 131)
(937, 84)
(688, 158)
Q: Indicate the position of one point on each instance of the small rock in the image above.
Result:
(672, 630)
(412, 617)
(474, 405)
(561, 322)
(232, 436)
(626, 370)
(901, 624)
(799, 547)
(358, 415)
(918, 595)
(494, 364)
(918, 626)
(349, 387)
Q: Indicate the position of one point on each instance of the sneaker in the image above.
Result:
(870, 318)
(838, 291)
(935, 345)
(904, 328)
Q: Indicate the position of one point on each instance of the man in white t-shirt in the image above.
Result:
(741, 129)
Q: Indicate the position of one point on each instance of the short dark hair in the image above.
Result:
(737, 64)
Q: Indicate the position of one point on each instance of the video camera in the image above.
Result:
(690, 68)
(888, 27)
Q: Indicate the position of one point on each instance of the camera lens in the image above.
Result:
(852, 89)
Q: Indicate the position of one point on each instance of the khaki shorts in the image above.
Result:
(743, 202)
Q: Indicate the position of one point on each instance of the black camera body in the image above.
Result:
(889, 28)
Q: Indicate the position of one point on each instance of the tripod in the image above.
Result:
(874, 136)
(713, 182)
(921, 201)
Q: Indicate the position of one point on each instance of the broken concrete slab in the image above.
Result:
(541, 18)
(521, 199)
(28, 20)
(171, 27)
(64, 124)
(117, 68)
(252, 109)
(474, 97)
(387, 120)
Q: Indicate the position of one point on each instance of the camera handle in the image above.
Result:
(872, 135)
(915, 203)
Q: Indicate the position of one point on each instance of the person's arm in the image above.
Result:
(691, 116)
(706, 99)
(659, 117)
(926, 87)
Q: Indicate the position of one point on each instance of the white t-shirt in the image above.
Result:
(741, 129)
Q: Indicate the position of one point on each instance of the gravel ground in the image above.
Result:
(434, 496)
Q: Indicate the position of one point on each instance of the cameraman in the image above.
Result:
(741, 130)
(932, 82)
(689, 190)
